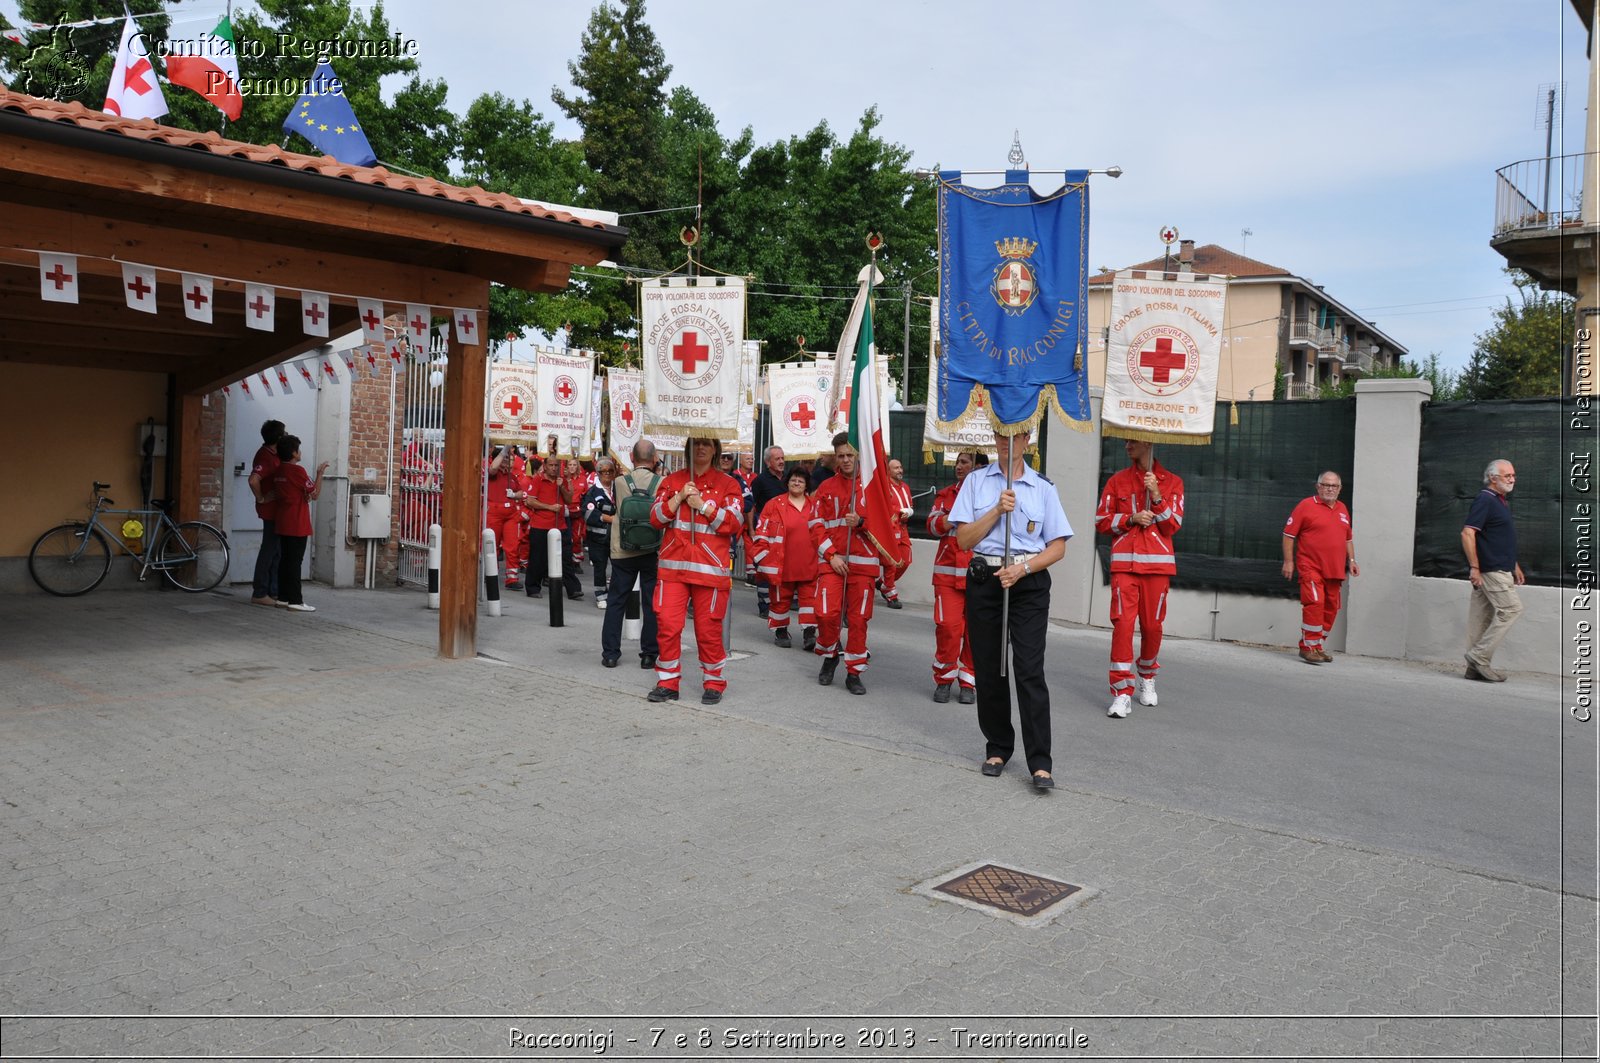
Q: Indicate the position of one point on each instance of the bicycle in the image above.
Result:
(72, 558)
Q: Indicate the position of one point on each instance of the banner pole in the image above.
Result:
(1005, 592)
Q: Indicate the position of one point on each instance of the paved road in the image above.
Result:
(210, 809)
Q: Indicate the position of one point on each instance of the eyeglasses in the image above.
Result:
(1334, 486)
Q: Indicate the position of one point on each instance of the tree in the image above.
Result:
(1522, 353)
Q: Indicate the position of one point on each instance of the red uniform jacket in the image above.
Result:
(949, 561)
(830, 535)
(696, 547)
(1136, 549)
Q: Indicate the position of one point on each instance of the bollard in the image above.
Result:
(553, 570)
(491, 572)
(435, 538)
(632, 618)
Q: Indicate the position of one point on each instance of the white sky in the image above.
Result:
(1357, 140)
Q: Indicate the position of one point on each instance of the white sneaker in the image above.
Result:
(1121, 705)
(302, 607)
(1146, 689)
(599, 601)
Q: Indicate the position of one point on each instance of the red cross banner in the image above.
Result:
(266, 385)
(797, 397)
(134, 91)
(692, 334)
(259, 305)
(370, 312)
(308, 370)
(1162, 356)
(139, 287)
(282, 373)
(627, 417)
(564, 380)
(58, 278)
(197, 293)
(314, 313)
(466, 326)
(513, 406)
(418, 318)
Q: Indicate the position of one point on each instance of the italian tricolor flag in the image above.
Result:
(210, 67)
(866, 435)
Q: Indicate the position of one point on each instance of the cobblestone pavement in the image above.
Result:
(215, 809)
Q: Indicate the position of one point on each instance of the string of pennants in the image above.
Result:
(58, 283)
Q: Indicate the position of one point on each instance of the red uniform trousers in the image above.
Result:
(1142, 597)
(507, 527)
(672, 609)
(800, 592)
(832, 604)
(952, 653)
(1319, 605)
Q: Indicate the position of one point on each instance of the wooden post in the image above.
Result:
(465, 385)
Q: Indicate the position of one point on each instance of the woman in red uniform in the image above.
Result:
(784, 555)
(291, 520)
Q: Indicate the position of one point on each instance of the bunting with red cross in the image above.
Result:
(627, 417)
(1162, 356)
(692, 335)
(563, 383)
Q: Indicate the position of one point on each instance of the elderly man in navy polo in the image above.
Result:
(1039, 534)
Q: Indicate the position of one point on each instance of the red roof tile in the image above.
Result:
(145, 129)
(1211, 258)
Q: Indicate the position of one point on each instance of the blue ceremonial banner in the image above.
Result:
(323, 116)
(1013, 300)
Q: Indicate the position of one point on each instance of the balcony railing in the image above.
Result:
(1362, 358)
(1540, 194)
(1310, 335)
(1298, 390)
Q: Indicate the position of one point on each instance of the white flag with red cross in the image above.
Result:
(308, 370)
(134, 91)
(58, 278)
(397, 353)
(627, 418)
(1163, 353)
(260, 303)
(244, 386)
(326, 363)
(283, 380)
(563, 390)
(797, 395)
(314, 313)
(418, 318)
(513, 415)
(692, 336)
(370, 312)
(266, 385)
(372, 352)
(139, 287)
(197, 294)
(466, 326)
(349, 357)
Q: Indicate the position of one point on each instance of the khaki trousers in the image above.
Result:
(1495, 607)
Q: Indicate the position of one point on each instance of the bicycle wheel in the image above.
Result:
(193, 556)
(69, 560)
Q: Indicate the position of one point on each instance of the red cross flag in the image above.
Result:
(58, 278)
(397, 353)
(418, 318)
(348, 355)
(1162, 357)
(139, 287)
(134, 91)
(626, 416)
(327, 367)
(513, 410)
(797, 394)
(244, 386)
(283, 380)
(308, 370)
(563, 389)
(259, 300)
(197, 292)
(314, 313)
(692, 334)
(372, 352)
(370, 311)
(466, 326)
(266, 385)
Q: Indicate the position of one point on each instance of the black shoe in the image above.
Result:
(993, 768)
(647, 660)
(967, 696)
(534, 592)
(808, 639)
(711, 697)
(893, 603)
(513, 585)
(660, 694)
(941, 693)
(829, 666)
(782, 638)
(609, 661)
(575, 596)
(762, 612)
(852, 683)
(1043, 782)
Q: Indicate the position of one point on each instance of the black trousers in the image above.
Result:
(292, 551)
(1029, 620)
(599, 554)
(623, 572)
(539, 565)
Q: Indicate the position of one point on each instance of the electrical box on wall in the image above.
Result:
(372, 516)
(160, 433)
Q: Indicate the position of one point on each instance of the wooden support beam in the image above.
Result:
(465, 383)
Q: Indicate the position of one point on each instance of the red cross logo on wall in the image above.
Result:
(689, 352)
(514, 404)
(1162, 360)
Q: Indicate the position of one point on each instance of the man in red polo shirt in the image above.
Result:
(1320, 528)
(549, 496)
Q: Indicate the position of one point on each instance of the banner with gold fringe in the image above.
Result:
(1162, 357)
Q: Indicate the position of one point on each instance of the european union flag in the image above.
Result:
(323, 116)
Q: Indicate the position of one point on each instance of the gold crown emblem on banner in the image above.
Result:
(1015, 247)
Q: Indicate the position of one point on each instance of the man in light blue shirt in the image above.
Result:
(1039, 534)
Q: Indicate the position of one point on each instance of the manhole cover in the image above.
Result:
(1021, 896)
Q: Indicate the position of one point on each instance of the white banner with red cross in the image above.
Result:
(797, 395)
(627, 418)
(1162, 357)
(564, 381)
(692, 336)
(513, 415)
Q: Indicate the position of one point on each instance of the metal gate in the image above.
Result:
(421, 458)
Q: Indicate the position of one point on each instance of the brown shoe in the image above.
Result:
(1327, 658)
(1311, 656)
(264, 600)
(1483, 673)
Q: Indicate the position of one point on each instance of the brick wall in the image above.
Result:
(375, 422)
(213, 456)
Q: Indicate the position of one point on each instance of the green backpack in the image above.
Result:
(635, 533)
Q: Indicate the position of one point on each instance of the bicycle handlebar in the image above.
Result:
(98, 486)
